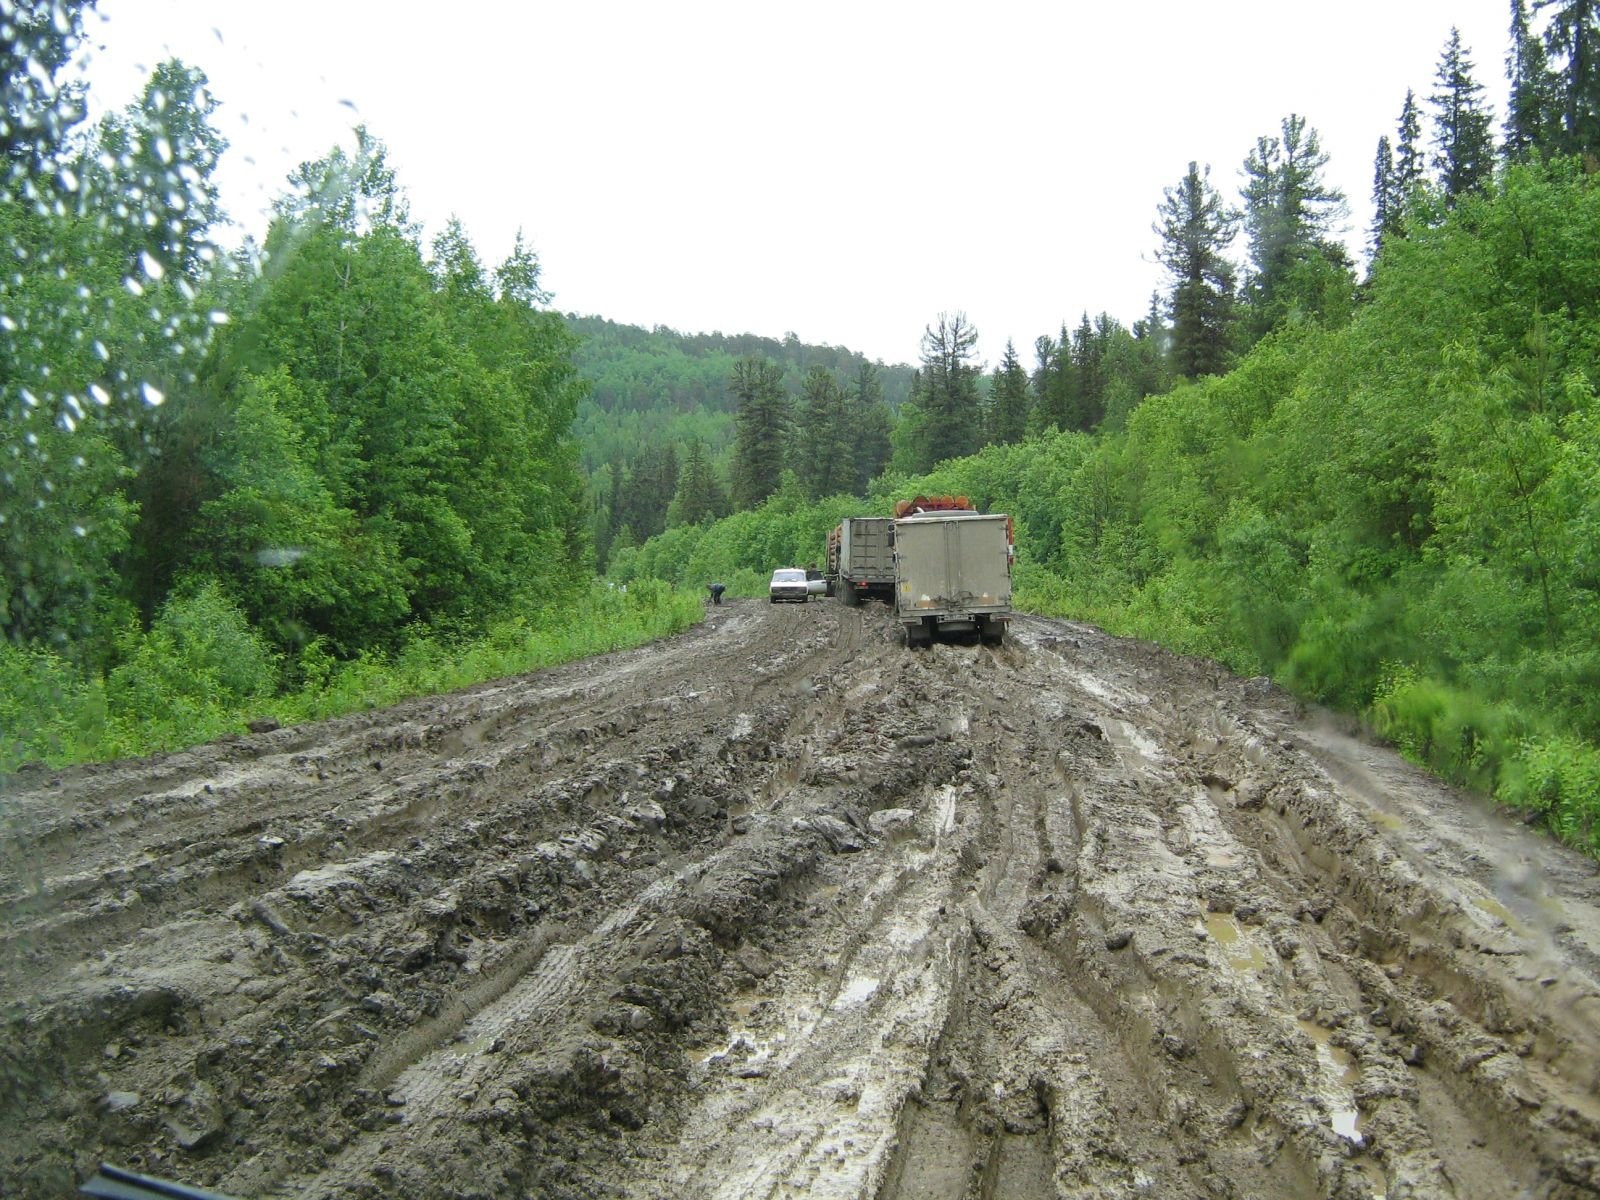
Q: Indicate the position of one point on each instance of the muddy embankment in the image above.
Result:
(780, 908)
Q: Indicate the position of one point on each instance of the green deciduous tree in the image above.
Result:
(36, 110)
(101, 326)
(158, 157)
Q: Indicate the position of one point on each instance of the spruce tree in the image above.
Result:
(1409, 168)
(950, 390)
(761, 430)
(1387, 204)
(699, 497)
(827, 461)
(1009, 411)
(1573, 36)
(1463, 141)
(1298, 268)
(873, 424)
(1533, 118)
(1089, 343)
(1195, 228)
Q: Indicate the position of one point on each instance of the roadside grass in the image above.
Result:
(200, 673)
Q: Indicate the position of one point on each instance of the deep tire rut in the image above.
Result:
(780, 908)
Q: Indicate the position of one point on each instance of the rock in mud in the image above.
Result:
(198, 1119)
(887, 821)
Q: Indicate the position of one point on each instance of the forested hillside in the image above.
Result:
(659, 416)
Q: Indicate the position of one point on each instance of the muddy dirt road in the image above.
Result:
(779, 908)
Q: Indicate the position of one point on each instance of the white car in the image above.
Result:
(788, 583)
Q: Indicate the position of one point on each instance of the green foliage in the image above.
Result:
(1558, 779)
(1195, 228)
(202, 672)
(1462, 124)
(741, 550)
(48, 709)
(1299, 270)
(185, 680)
(825, 459)
(765, 426)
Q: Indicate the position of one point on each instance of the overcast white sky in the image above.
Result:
(846, 171)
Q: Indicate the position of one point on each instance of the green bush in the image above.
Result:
(1558, 778)
(185, 680)
(47, 710)
(202, 672)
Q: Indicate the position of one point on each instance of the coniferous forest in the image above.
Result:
(340, 463)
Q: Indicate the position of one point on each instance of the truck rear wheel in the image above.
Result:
(848, 593)
(991, 632)
(919, 636)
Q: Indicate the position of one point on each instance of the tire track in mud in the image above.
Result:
(778, 907)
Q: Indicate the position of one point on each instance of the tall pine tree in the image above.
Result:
(1387, 203)
(950, 389)
(1195, 228)
(699, 497)
(1533, 117)
(1462, 122)
(1009, 410)
(874, 425)
(1298, 268)
(826, 463)
(1410, 167)
(761, 430)
(1573, 36)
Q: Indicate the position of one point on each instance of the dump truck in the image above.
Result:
(952, 567)
(860, 560)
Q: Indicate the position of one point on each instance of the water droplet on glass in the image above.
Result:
(99, 395)
(164, 150)
(151, 395)
(133, 285)
(218, 318)
(68, 179)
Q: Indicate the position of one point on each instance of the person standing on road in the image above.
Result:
(716, 592)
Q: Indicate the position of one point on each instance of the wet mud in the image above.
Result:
(781, 908)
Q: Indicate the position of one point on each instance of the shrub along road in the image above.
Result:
(778, 907)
